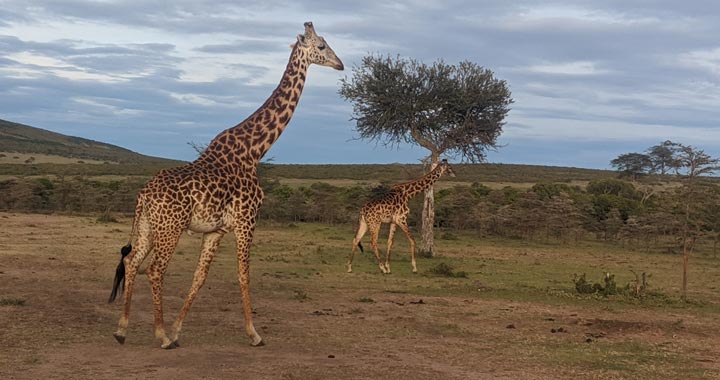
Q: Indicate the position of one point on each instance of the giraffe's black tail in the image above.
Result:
(120, 273)
(361, 247)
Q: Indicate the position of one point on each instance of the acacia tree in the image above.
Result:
(454, 110)
(663, 157)
(633, 165)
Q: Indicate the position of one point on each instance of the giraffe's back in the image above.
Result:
(385, 208)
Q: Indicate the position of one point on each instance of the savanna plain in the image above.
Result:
(479, 309)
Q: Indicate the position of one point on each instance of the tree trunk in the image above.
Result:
(686, 255)
(427, 244)
(686, 251)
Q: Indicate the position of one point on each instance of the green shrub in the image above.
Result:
(445, 270)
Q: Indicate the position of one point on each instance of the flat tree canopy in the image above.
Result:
(456, 110)
(633, 165)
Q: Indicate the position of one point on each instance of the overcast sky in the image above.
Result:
(590, 79)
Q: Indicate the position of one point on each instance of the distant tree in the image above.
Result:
(609, 201)
(455, 110)
(663, 157)
(633, 165)
(695, 162)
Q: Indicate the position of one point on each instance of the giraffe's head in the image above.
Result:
(445, 168)
(317, 49)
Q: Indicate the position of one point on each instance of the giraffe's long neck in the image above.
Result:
(410, 189)
(247, 142)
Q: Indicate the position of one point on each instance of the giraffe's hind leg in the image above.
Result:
(391, 236)
(243, 237)
(374, 233)
(210, 244)
(165, 242)
(132, 263)
(362, 228)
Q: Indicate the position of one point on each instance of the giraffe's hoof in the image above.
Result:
(170, 345)
(258, 342)
(120, 338)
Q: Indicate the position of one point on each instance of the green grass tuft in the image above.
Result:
(12, 302)
(445, 270)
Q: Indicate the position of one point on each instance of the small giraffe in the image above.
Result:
(393, 208)
(215, 194)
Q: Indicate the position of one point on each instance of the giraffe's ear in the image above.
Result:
(301, 40)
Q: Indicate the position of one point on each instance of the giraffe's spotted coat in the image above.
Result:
(217, 193)
(393, 208)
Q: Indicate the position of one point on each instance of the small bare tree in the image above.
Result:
(693, 163)
(199, 148)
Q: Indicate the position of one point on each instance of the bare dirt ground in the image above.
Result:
(317, 321)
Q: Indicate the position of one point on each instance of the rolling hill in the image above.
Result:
(24, 139)
(55, 153)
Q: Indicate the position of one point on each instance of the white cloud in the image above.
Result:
(706, 60)
(573, 13)
(58, 68)
(565, 68)
(102, 107)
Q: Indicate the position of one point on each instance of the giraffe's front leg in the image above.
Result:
(406, 230)
(210, 244)
(243, 235)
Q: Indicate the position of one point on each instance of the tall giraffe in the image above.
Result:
(393, 208)
(215, 194)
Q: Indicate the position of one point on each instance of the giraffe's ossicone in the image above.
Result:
(393, 208)
(213, 195)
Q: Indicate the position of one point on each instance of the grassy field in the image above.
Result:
(509, 312)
